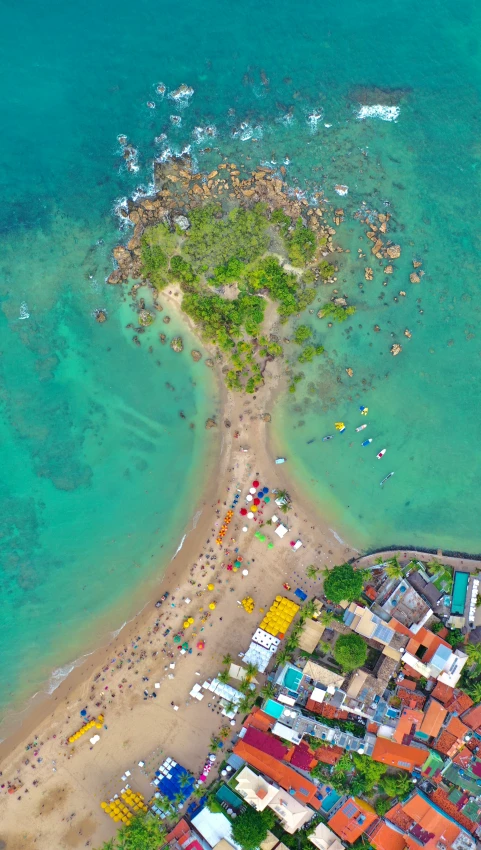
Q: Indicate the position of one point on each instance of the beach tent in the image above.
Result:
(281, 530)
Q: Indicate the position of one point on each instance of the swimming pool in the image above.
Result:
(330, 801)
(292, 679)
(273, 708)
(460, 589)
(226, 795)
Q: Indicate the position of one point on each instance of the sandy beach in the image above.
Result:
(51, 791)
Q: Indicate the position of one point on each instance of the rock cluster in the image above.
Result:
(177, 344)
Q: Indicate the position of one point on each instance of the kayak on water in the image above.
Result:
(367, 442)
(310, 441)
(386, 478)
(361, 427)
(381, 454)
(329, 437)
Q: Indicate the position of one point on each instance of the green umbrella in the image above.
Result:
(257, 534)
(237, 563)
(270, 545)
(177, 638)
(267, 500)
(185, 645)
(262, 538)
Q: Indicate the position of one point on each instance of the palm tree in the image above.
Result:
(108, 845)
(214, 743)
(283, 494)
(393, 568)
(308, 610)
(283, 656)
(229, 707)
(227, 659)
(224, 732)
(285, 507)
(312, 571)
(224, 677)
(473, 651)
(198, 792)
(179, 799)
(244, 705)
(185, 779)
(251, 671)
(474, 691)
(327, 617)
(268, 690)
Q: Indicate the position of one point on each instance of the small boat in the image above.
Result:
(386, 478)
(329, 437)
(310, 441)
(381, 454)
(280, 460)
(361, 427)
(339, 426)
(367, 442)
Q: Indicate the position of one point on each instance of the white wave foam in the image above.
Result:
(116, 632)
(196, 518)
(61, 673)
(179, 547)
(385, 113)
(24, 314)
(339, 539)
(340, 189)
(314, 118)
(246, 131)
(182, 95)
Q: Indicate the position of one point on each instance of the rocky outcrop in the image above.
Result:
(101, 316)
(146, 318)
(266, 417)
(414, 278)
(210, 423)
(177, 344)
(196, 355)
(396, 349)
(210, 363)
(393, 251)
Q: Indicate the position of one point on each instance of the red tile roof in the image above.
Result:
(352, 819)
(453, 699)
(411, 699)
(441, 799)
(409, 685)
(266, 743)
(408, 723)
(399, 818)
(259, 720)
(180, 829)
(472, 718)
(329, 755)
(425, 823)
(451, 738)
(398, 755)
(302, 757)
(304, 790)
(326, 710)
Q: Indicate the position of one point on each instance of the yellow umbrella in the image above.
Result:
(210, 587)
(212, 606)
(191, 620)
(186, 624)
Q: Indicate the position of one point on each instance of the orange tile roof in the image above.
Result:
(457, 727)
(304, 790)
(399, 818)
(411, 699)
(329, 755)
(441, 799)
(433, 720)
(409, 685)
(326, 710)
(408, 724)
(259, 720)
(451, 738)
(398, 755)
(430, 821)
(473, 717)
(384, 837)
(180, 829)
(352, 819)
(453, 699)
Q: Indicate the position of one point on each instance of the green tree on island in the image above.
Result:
(302, 334)
(250, 828)
(343, 584)
(350, 652)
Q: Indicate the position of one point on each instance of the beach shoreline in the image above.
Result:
(231, 469)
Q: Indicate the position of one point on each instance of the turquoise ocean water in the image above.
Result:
(97, 475)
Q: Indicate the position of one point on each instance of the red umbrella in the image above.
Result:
(257, 501)
(201, 645)
(243, 511)
(255, 483)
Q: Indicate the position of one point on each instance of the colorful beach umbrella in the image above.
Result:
(212, 606)
(210, 587)
(243, 511)
(255, 483)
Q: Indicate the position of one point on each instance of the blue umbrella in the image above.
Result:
(83, 713)
(265, 490)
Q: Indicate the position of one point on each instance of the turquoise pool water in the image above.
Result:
(292, 679)
(273, 708)
(330, 801)
(226, 795)
(460, 589)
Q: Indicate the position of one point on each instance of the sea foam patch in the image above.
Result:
(385, 113)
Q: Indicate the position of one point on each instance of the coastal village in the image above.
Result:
(385, 755)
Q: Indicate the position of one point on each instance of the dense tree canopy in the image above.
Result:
(144, 832)
(250, 828)
(343, 584)
(350, 651)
